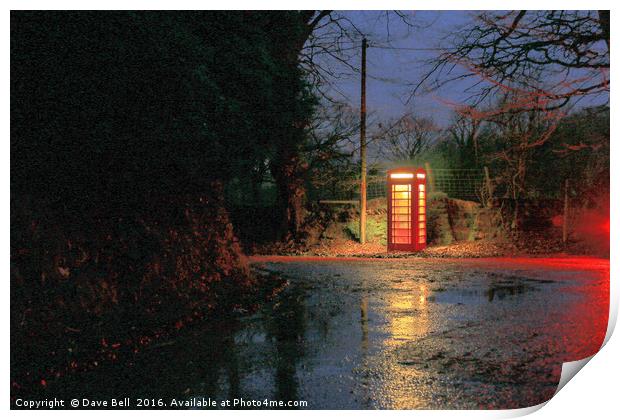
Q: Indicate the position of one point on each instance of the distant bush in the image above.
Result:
(376, 229)
(437, 195)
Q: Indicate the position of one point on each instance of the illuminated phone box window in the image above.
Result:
(406, 209)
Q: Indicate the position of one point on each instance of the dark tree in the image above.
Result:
(406, 138)
(287, 165)
(557, 54)
(125, 129)
(463, 133)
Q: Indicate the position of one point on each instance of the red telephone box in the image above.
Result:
(406, 205)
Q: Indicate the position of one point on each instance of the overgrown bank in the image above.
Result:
(455, 228)
(86, 290)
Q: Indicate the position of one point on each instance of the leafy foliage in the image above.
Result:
(125, 129)
(113, 107)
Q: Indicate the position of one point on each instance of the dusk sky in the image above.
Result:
(397, 59)
(396, 62)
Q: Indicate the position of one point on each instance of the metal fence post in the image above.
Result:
(429, 177)
(566, 209)
(487, 180)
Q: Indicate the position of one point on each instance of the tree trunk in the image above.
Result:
(604, 20)
(288, 175)
(256, 180)
(287, 168)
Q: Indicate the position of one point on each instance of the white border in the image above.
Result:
(593, 394)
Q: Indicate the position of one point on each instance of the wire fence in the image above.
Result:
(465, 184)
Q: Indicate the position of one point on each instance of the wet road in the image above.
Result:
(395, 334)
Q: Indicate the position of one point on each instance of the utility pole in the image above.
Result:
(363, 147)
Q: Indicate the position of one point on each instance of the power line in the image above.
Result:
(385, 47)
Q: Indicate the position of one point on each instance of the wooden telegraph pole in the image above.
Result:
(363, 147)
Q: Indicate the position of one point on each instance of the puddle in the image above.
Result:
(494, 293)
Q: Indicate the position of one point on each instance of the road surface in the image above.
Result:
(391, 334)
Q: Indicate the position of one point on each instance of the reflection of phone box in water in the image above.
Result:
(406, 205)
